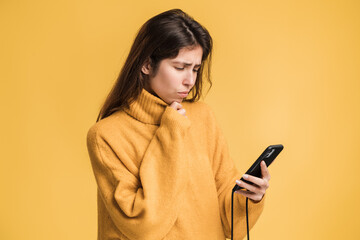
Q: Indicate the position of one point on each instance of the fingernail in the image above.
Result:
(245, 176)
(238, 181)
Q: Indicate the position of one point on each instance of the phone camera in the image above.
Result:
(268, 154)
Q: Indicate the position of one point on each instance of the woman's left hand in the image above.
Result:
(257, 191)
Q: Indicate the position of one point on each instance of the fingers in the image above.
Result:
(178, 107)
(257, 191)
(260, 182)
(252, 188)
(255, 180)
(182, 111)
(252, 192)
(264, 171)
(255, 197)
(245, 193)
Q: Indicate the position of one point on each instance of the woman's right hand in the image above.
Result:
(178, 107)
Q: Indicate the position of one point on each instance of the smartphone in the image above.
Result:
(269, 155)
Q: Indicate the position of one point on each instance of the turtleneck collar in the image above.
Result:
(147, 108)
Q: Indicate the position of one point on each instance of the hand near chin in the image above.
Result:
(178, 107)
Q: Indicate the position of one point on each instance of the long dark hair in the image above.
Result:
(160, 37)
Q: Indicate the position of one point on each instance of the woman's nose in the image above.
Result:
(190, 78)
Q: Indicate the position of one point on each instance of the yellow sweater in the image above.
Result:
(161, 175)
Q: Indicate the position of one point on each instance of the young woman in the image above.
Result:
(160, 159)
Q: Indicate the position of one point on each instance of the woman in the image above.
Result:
(160, 160)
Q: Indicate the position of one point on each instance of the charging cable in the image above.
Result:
(232, 216)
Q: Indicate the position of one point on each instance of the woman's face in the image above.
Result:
(175, 75)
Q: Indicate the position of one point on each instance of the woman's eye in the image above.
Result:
(182, 68)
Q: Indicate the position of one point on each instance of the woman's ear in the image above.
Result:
(146, 68)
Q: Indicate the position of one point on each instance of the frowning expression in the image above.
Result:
(175, 76)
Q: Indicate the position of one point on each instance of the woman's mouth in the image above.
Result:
(183, 94)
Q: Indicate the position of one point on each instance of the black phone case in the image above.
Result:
(269, 154)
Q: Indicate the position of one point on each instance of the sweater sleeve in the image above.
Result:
(145, 209)
(225, 174)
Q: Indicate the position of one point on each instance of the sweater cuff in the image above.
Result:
(259, 206)
(172, 118)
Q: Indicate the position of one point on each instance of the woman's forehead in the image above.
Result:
(189, 56)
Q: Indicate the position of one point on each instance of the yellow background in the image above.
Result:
(284, 72)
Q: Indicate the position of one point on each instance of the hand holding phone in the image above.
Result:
(268, 156)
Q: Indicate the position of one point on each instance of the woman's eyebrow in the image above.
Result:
(187, 64)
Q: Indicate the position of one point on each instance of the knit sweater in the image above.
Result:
(161, 175)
